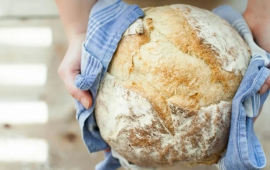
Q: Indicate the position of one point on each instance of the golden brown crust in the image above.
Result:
(138, 134)
(184, 78)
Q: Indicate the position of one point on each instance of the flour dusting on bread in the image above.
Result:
(166, 98)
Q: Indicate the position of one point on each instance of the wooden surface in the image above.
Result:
(66, 149)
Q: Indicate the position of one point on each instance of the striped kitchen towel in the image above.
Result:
(108, 20)
(244, 151)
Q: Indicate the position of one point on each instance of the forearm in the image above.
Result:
(259, 7)
(74, 15)
(257, 16)
(259, 12)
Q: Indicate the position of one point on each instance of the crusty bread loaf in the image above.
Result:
(166, 98)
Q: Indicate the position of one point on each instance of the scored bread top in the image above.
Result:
(178, 77)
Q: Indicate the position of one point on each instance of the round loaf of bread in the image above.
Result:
(166, 98)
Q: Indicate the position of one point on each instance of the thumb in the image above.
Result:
(83, 96)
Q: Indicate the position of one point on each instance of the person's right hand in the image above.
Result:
(257, 17)
(70, 68)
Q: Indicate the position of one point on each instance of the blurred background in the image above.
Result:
(38, 129)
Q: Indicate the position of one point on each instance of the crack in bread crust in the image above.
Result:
(139, 135)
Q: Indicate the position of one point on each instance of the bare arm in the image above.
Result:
(74, 16)
(257, 16)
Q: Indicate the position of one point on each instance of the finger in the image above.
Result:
(83, 96)
(267, 81)
(264, 88)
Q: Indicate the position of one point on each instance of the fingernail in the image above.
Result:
(85, 103)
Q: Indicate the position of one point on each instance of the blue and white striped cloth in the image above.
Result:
(108, 20)
(244, 151)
